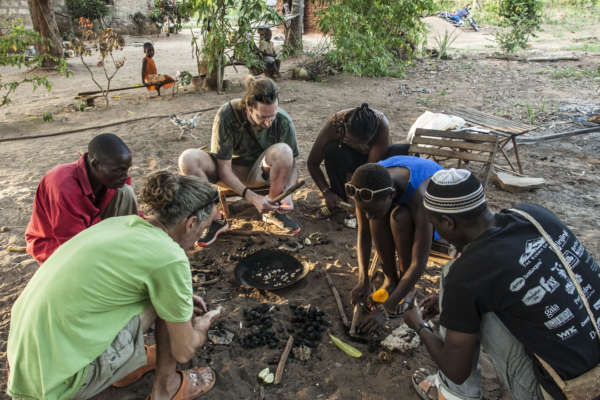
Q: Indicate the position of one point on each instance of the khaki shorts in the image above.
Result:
(253, 176)
(125, 354)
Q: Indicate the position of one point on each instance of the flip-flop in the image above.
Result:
(194, 383)
(429, 387)
(141, 371)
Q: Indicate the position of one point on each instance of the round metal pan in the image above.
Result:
(270, 269)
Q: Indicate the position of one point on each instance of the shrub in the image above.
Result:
(90, 9)
(519, 20)
(371, 36)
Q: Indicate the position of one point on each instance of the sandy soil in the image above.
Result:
(499, 87)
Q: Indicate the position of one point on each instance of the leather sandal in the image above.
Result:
(194, 383)
(141, 371)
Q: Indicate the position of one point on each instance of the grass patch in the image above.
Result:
(587, 47)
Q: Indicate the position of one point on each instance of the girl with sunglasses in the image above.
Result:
(389, 208)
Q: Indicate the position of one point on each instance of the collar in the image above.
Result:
(82, 176)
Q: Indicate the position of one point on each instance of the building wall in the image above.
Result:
(310, 20)
(120, 11)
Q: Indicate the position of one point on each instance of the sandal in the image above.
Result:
(194, 383)
(429, 387)
(141, 371)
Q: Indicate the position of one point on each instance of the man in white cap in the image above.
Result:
(513, 291)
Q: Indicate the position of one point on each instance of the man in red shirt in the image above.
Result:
(72, 197)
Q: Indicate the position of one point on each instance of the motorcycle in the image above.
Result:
(458, 18)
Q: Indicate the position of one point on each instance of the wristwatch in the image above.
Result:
(425, 325)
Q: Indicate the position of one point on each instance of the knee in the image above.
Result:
(193, 162)
(280, 154)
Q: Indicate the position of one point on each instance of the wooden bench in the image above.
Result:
(464, 146)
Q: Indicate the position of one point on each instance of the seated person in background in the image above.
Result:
(510, 292)
(150, 77)
(390, 213)
(72, 197)
(348, 140)
(267, 49)
(78, 327)
(253, 143)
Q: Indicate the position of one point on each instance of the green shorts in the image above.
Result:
(125, 354)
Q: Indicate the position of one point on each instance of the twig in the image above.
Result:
(289, 191)
(558, 135)
(338, 300)
(208, 283)
(283, 360)
(355, 315)
(373, 265)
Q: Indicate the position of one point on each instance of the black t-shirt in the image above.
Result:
(512, 271)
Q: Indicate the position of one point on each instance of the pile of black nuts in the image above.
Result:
(260, 322)
(308, 325)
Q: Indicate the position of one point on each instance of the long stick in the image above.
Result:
(355, 315)
(558, 135)
(373, 265)
(110, 90)
(289, 191)
(283, 360)
(338, 300)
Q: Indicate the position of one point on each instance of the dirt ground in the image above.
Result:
(538, 93)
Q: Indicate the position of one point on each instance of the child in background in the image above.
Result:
(150, 78)
(269, 56)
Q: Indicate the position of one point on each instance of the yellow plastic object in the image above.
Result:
(346, 348)
(380, 296)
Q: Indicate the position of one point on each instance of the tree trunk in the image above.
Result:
(293, 33)
(44, 22)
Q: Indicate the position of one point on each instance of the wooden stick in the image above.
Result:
(373, 265)
(283, 360)
(355, 315)
(110, 90)
(346, 205)
(207, 283)
(338, 300)
(558, 135)
(289, 191)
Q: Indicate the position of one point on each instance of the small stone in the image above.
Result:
(302, 353)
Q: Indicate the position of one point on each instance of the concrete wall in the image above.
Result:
(120, 11)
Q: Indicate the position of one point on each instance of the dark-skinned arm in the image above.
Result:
(144, 71)
(363, 252)
(420, 249)
(316, 156)
(382, 142)
(454, 356)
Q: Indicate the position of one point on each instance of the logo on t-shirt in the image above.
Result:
(597, 305)
(560, 319)
(567, 333)
(534, 296)
(533, 248)
(551, 310)
(571, 258)
(517, 284)
(549, 284)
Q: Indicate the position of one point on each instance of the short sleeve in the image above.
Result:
(171, 293)
(288, 133)
(222, 142)
(459, 309)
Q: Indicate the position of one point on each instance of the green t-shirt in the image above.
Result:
(87, 291)
(237, 140)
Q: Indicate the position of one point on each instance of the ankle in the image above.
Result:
(165, 386)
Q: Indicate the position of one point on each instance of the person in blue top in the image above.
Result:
(389, 208)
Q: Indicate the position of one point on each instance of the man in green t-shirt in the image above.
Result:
(78, 327)
(253, 144)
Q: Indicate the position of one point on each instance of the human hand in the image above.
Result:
(372, 322)
(262, 203)
(199, 305)
(286, 205)
(430, 306)
(413, 318)
(203, 322)
(332, 200)
(359, 293)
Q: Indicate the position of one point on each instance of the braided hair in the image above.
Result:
(363, 122)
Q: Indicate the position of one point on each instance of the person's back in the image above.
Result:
(84, 295)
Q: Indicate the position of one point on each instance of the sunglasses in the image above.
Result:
(364, 194)
(214, 201)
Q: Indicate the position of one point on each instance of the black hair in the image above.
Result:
(363, 122)
(107, 146)
(371, 176)
(147, 45)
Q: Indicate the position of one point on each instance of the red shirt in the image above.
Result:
(64, 205)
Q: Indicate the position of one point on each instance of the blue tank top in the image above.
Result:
(420, 169)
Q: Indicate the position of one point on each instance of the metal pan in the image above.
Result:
(270, 269)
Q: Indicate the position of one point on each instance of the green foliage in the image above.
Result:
(444, 42)
(371, 36)
(47, 116)
(519, 20)
(15, 43)
(90, 9)
(170, 12)
(185, 78)
(227, 28)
